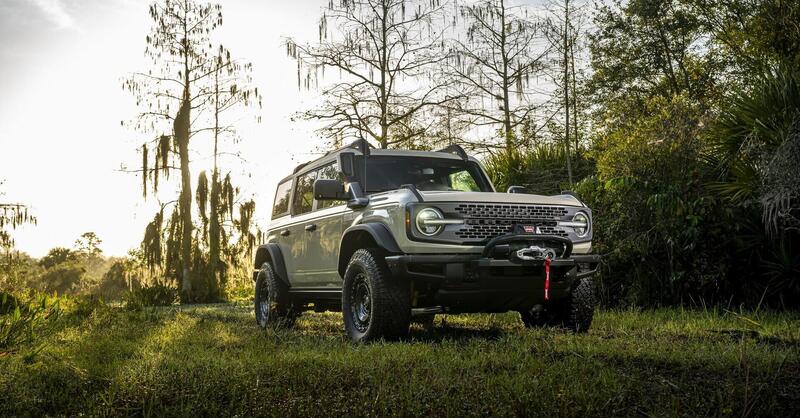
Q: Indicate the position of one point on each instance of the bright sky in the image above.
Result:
(61, 143)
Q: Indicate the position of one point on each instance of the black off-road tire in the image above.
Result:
(580, 307)
(574, 313)
(272, 302)
(385, 311)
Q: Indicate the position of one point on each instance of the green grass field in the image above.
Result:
(213, 360)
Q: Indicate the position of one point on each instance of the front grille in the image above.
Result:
(486, 221)
(498, 211)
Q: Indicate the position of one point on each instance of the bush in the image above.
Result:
(662, 234)
(152, 295)
(540, 169)
(26, 321)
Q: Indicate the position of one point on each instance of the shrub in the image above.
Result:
(152, 295)
(540, 169)
(26, 321)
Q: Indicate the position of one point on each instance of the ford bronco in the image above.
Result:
(390, 237)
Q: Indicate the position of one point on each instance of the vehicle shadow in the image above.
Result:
(447, 332)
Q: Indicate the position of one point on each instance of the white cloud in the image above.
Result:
(55, 12)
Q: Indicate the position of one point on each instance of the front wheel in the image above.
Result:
(272, 303)
(375, 305)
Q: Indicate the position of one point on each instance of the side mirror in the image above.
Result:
(329, 190)
(516, 189)
(346, 163)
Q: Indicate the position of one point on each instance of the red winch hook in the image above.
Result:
(547, 278)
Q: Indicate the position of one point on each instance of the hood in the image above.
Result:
(484, 197)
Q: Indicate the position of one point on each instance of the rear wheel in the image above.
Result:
(272, 303)
(375, 305)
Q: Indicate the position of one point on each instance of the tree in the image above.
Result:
(384, 51)
(647, 48)
(178, 46)
(89, 244)
(562, 31)
(12, 215)
(184, 96)
(493, 67)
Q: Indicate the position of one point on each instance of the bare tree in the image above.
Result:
(494, 65)
(384, 52)
(563, 29)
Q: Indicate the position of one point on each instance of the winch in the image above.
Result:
(535, 252)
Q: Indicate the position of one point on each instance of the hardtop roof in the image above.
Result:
(453, 152)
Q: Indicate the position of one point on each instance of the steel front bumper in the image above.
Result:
(491, 282)
(473, 283)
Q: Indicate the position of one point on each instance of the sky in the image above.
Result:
(61, 142)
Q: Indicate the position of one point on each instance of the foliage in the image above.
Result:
(757, 148)
(18, 272)
(540, 169)
(156, 294)
(64, 278)
(22, 323)
(645, 48)
(655, 224)
(656, 363)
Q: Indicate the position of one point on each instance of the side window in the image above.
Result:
(329, 172)
(304, 193)
(282, 194)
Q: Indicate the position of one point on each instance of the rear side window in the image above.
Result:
(329, 172)
(282, 194)
(304, 193)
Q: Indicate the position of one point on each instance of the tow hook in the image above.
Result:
(534, 252)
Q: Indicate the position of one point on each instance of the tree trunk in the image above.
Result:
(566, 90)
(574, 97)
(384, 140)
(506, 102)
(214, 224)
(185, 203)
(182, 131)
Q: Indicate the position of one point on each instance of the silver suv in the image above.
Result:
(391, 237)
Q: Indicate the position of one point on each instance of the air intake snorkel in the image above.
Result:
(347, 166)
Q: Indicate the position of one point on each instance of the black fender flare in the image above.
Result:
(354, 237)
(271, 252)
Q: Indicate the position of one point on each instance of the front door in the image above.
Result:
(316, 233)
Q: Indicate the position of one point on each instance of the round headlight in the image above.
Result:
(425, 215)
(581, 218)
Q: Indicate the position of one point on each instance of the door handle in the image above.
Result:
(285, 233)
(311, 227)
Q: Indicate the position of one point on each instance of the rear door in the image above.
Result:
(297, 238)
(324, 233)
(281, 218)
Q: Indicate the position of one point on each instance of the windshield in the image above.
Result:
(427, 174)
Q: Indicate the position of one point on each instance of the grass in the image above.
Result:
(213, 360)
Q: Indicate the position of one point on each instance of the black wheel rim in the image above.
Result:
(265, 302)
(360, 302)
